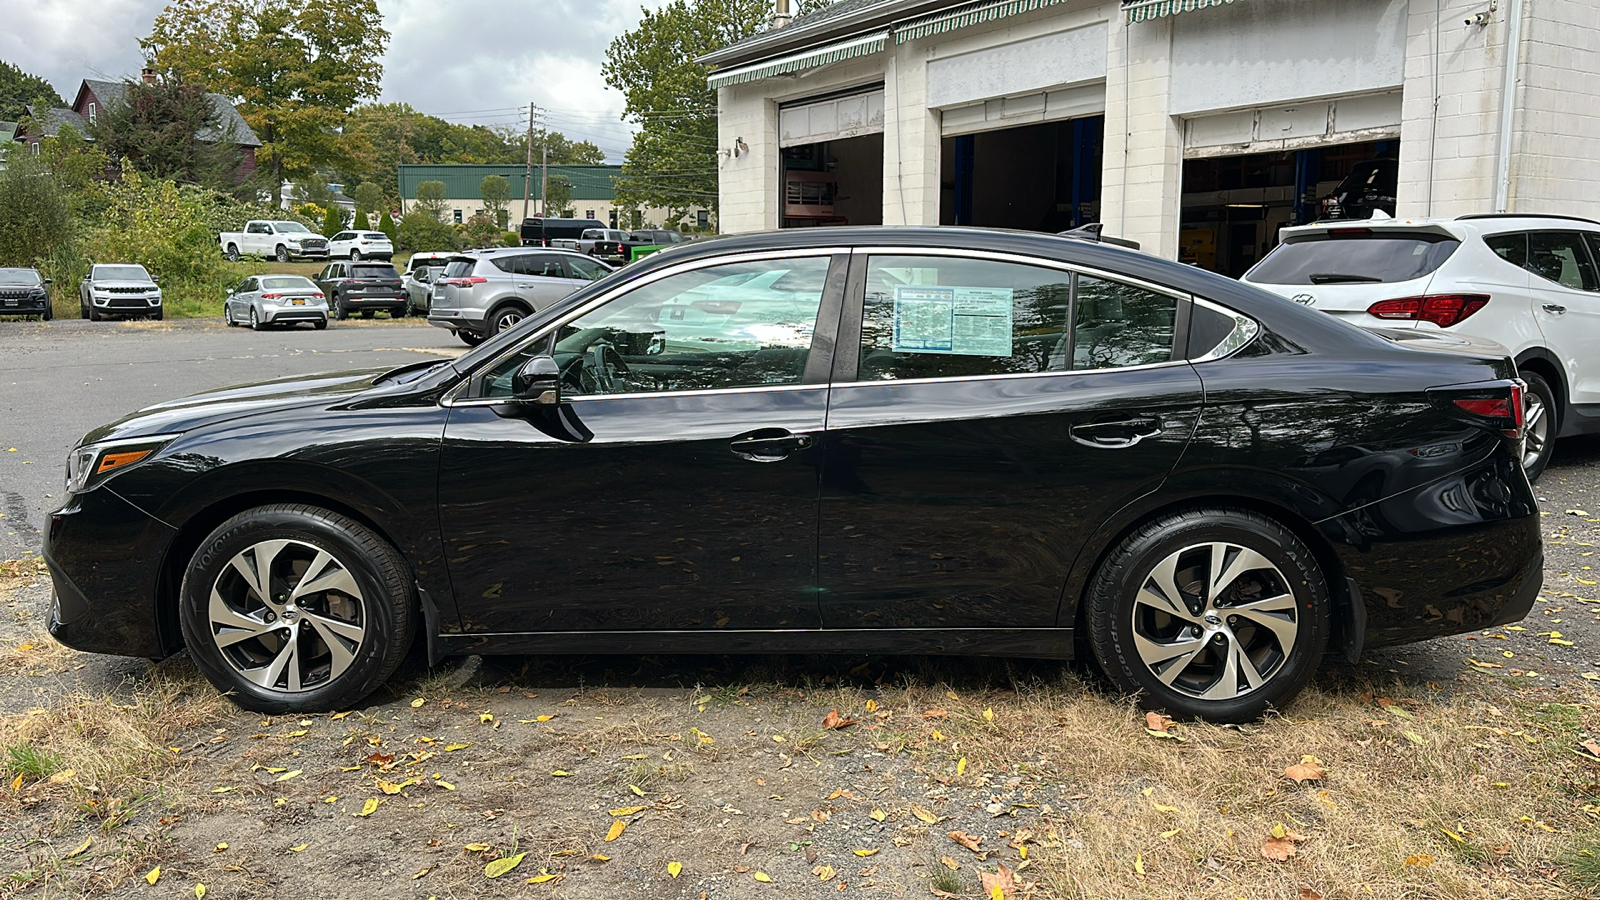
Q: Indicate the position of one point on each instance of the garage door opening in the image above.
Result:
(1042, 177)
(1234, 206)
(838, 182)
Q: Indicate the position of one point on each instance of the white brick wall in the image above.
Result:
(1555, 160)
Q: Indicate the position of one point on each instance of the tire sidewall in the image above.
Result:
(1111, 603)
(1552, 412)
(376, 656)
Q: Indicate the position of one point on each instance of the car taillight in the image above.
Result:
(468, 281)
(1443, 310)
(1498, 405)
(272, 296)
(319, 295)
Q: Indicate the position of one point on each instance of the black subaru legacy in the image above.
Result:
(863, 440)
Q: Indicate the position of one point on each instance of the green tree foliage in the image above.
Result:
(297, 68)
(496, 194)
(159, 130)
(421, 231)
(481, 230)
(361, 223)
(19, 89)
(36, 212)
(431, 199)
(332, 221)
(369, 197)
(673, 161)
(558, 197)
(387, 226)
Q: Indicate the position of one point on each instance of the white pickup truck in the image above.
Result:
(282, 241)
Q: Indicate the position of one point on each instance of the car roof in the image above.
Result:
(487, 252)
(1458, 226)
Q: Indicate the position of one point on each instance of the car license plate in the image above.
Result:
(299, 301)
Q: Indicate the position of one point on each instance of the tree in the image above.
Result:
(296, 67)
(36, 215)
(672, 162)
(333, 221)
(361, 223)
(19, 89)
(386, 225)
(171, 132)
(483, 231)
(422, 231)
(431, 199)
(369, 197)
(558, 197)
(496, 193)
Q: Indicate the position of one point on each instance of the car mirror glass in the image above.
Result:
(538, 381)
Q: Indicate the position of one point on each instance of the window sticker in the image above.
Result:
(961, 321)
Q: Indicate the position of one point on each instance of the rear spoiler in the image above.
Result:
(1093, 232)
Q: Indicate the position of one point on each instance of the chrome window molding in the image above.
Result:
(1171, 363)
(1244, 331)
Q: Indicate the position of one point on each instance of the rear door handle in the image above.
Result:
(1554, 309)
(768, 444)
(1115, 434)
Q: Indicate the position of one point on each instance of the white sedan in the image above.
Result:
(264, 301)
(360, 245)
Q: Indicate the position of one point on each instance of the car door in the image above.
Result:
(987, 416)
(1568, 309)
(339, 244)
(582, 271)
(542, 279)
(238, 305)
(675, 487)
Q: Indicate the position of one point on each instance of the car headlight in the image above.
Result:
(91, 465)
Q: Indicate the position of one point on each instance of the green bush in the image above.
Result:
(361, 223)
(167, 229)
(332, 221)
(386, 225)
(420, 231)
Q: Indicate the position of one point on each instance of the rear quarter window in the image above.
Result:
(1372, 258)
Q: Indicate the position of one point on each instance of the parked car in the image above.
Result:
(422, 270)
(858, 440)
(363, 287)
(360, 245)
(1370, 187)
(484, 292)
(24, 292)
(281, 241)
(542, 232)
(121, 289)
(263, 301)
(1527, 282)
(608, 244)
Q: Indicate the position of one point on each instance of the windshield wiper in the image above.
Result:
(1342, 278)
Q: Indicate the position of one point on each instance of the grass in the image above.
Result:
(30, 762)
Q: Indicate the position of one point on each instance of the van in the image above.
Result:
(537, 232)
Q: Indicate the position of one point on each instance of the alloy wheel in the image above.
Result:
(507, 320)
(1215, 621)
(287, 616)
(1536, 431)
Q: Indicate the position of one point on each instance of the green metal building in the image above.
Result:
(593, 194)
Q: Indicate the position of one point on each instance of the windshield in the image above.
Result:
(286, 283)
(373, 270)
(1373, 257)
(121, 273)
(286, 227)
(19, 276)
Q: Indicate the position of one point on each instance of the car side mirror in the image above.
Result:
(538, 381)
(49, 281)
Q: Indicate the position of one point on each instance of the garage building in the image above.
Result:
(1198, 128)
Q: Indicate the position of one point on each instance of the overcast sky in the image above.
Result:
(469, 61)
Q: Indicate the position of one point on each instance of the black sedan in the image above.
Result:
(853, 440)
(24, 292)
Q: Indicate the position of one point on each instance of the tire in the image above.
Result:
(470, 338)
(255, 321)
(158, 315)
(506, 317)
(367, 313)
(1179, 658)
(355, 255)
(281, 254)
(49, 312)
(399, 312)
(339, 311)
(232, 253)
(320, 324)
(366, 604)
(1542, 415)
(94, 314)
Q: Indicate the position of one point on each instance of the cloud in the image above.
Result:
(469, 61)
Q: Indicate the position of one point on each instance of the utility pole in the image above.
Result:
(544, 175)
(527, 174)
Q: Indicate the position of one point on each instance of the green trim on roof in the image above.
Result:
(1155, 9)
(464, 181)
(963, 16)
(810, 59)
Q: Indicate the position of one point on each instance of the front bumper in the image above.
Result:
(104, 556)
(24, 306)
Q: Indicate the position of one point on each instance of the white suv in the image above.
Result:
(1529, 282)
(355, 245)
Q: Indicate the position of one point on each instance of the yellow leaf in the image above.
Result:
(152, 876)
(988, 715)
(298, 848)
(949, 863)
(600, 857)
(869, 852)
(762, 877)
(627, 810)
(16, 783)
(485, 718)
(301, 733)
(561, 773)
(674, 869)
(288, 775)
(877, 814)
(1418, 859)
(1415, 738)
(618, 826)
(389, 787)
(1138, 863)
(418, 702)
(938, 735)
(872, 706)
(220, 847)
(503, 865)
(543, 718)
(961, 766)
(924, 814)
(1165, 834)
(339, 715)
(451, 748)
(82, 849)
(476, 848)
(446, 785)
(1164, 808)
(543, 876)
(369, 807)
(1453, 836)
(636, 789)
(996, 893)
(199, 891)
(223, 790)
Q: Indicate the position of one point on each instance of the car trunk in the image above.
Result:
(1345, 270)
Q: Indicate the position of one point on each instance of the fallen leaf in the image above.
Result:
(674, 869)
(872, 706)
(627, 810)
(543, 876)
(561, 773)
(999, 885)
(1280, 846)
(924, 814)
(869, 852)
(418, 702)
(451, 748)
(152, 876)
(878, 815)
(949, 863)
(485, 718)
(339, 715)
(503, 865)
(446, 785)
(1453, 836)
(762, 877)
(369, 807)
(1157, 722)
(935, 714)
(199, 891)
(220, 847)
(988, 715)
(824, 873)
(1138, 863)
(476, 848)
(288, 775)
(1308, 769)
(600, 857)
(834, 720)
(961, 766)
(1418, 859)
(618, 826)
(297, 848)
(965, 840)
(1592, 746)
(82, 849)
(1309, 894)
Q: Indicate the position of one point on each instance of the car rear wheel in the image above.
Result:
(355, 255)
(398, 312)
(470, 338)
(339, 310)
(506, 318)
(255, 320)
(1217, 614)
(291, 608)
(320, 324)
(1541, 424)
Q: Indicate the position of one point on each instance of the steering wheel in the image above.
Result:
(600, 369)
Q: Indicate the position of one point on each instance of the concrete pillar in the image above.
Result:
(1142, 178)
(910, 141)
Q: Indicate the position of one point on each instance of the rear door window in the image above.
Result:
(1562, 257)
(1513, 247)
(1370, 258)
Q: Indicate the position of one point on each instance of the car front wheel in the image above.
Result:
(1218, 614)
(291, 608)
(1541, 421)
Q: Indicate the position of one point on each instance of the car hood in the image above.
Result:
(121, 283)
(211, 407)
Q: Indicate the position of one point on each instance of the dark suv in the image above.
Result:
(1370, 186)
(22, 293)
(364, 287)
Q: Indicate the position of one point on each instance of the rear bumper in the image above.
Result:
(104, 556)
(373, 301)
(275, 317)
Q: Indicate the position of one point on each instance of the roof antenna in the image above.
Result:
(1093, 231)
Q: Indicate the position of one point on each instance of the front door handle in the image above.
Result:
(768, 444)
(1554, 309)
(1115, 434)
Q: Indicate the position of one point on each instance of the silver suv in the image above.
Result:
(483, 292)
